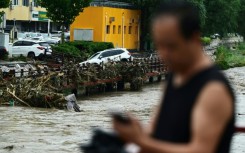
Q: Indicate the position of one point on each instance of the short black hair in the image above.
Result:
(186, 12)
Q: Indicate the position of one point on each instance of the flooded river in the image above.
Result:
(56, 131)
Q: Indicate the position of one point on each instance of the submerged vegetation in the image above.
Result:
(228, 58)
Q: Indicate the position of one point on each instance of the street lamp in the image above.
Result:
(13, 33)
(48, 26)
(105, 33)
(123, 30)
(14, 22)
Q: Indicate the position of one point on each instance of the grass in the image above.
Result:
(226, 58)
(19, 58)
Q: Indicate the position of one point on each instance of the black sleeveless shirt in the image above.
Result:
(174, 120)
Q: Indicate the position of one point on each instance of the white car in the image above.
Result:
(117, 54)
(31, 49)
(37, 38)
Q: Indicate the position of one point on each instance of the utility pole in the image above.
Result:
(48, 27)
(13, 32)
(123, 30)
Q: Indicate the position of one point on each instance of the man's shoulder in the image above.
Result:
(216, 97)
(217, 80)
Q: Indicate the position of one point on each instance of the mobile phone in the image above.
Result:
(120, 117)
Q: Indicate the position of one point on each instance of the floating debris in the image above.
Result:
(38, 85)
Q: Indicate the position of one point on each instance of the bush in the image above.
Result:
(221, 58)
(206, 40)
(91, 47)
(241, 47)
(4, 56)
(226, 58)
(82, 49)
(18, 58)
(67, 49)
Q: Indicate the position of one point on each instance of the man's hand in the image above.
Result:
(131, 132)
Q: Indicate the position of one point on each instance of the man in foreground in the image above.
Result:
(197, 111)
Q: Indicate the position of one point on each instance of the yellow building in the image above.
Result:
(107, 24)
(27, 16)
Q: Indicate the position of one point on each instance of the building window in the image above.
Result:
(15, 2)
(125, 29)
(25, 2)
(108, 29)
(119, 29)
(130, 30)
(136, 30)
(35, 3)
(114, 29)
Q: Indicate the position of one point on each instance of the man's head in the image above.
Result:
(176, 33)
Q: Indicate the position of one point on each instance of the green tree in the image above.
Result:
(3, 4)
(222, 16)
(147, 8)
(241, 20)
(203, 13)
(64, 12)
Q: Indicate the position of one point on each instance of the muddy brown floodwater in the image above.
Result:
(55, 131)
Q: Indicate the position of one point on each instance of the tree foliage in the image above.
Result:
(147, 8)
(222, 16)
(218, 16)
(64, 12)
(241, 19)
(3, 4)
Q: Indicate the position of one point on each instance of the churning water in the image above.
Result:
(56, 131)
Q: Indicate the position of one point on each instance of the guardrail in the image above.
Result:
(240, 129)
(150, 66)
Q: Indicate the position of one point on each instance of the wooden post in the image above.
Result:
(155, 64)
(30, 72)
(109, 87)
(87, 91)
(151, 63)
(151, 79)
(159, 78)
(120, 85)
(12, 73)
(21, 73)
(1, 73)
(67, 77)
(63, 58)
(159, 65)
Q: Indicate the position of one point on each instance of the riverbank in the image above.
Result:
(237, 78)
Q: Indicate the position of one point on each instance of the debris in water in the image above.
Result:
(72, 103)
(9, 148)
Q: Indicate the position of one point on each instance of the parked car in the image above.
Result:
(3, 52)
(31, 49)
(37, 39)
(56, 33)
(35, 34)
(53, 40)
(117, 54)
(46, 46)
(49, 38)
